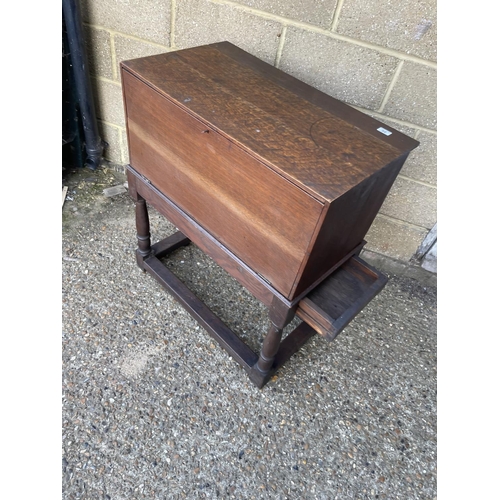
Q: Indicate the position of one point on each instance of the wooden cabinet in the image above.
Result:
(275, 180)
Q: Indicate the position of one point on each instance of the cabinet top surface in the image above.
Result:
(317, 142)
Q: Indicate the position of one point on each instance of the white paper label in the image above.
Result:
(384, 131)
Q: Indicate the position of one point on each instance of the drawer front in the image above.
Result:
(261, 217)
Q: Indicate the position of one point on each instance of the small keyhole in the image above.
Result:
(205, 131)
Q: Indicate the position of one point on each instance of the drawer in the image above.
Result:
(264, 219)
(331, 306)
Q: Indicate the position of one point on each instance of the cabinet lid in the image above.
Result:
(317, 142)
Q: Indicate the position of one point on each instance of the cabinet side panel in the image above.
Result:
(261, 217)
(346, 223)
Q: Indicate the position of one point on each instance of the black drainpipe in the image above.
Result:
(94, 145)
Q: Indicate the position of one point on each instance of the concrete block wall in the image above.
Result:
(376, 55)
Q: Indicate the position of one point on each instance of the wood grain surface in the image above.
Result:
(324, 153)
(265, 220)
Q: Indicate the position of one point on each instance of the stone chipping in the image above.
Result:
(153, 408)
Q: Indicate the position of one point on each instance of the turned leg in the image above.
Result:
(280, 315)
(142, 225)
(269, 348)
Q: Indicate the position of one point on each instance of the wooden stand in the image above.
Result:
(326, 310)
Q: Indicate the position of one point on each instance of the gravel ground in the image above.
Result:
(153, 408)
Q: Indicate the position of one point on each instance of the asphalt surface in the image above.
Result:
(153, 408)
